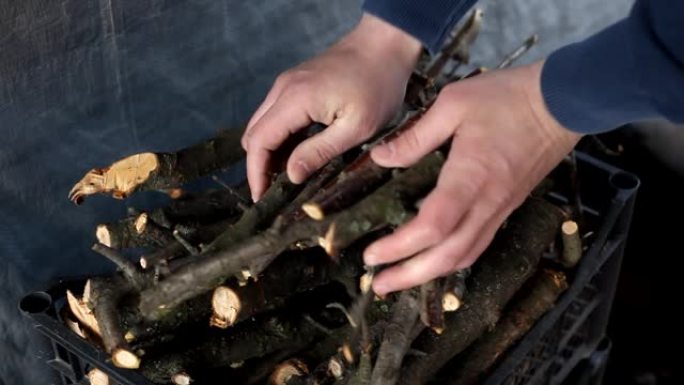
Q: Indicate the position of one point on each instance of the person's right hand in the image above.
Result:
(353, 88)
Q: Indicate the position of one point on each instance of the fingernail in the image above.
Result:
(386, 150)
(370, 259)
(380, 289)
(301, 169)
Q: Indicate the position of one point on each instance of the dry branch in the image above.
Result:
(247, 340)
(396, 340)
(156, 171)
(459, 47)
(454, 290)
(431, 300)
(572, 244)
(387, 205)
(260, 215)
(105, 298)
(542, 292)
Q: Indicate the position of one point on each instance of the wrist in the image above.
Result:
(379, 39)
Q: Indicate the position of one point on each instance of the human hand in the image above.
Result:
(353, 88)
(504, 141)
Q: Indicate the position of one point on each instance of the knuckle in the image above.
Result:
(435, 232)
(325, 151)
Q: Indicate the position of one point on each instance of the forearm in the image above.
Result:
(428, 21)
(631, 71)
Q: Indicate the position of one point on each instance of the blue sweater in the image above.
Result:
(631, 71)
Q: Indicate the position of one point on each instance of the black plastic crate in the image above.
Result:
(572, 332)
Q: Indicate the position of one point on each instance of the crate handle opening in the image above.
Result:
(624, 181)
(36, 302)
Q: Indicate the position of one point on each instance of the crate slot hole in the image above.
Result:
(36, 302)
(624, 181)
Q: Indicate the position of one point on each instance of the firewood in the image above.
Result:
(396, 340)
(83, 313)
(315, 184)
(106, 295)
(128, 269)
(201, 208)
(572, 244)
(459, 47)
(353, 185)
(543, 291)
(155, 171)
(290, 372)
(509, 261)
(454, 290)
(260, 215)
(198, 237)
(97, 377)
(181, 378)
(245, 341)
(431, 300)
(73, 325)
(387, 205)
(362, 375)
(289, 274)
(358, 179)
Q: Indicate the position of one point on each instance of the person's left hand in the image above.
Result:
(504, 141)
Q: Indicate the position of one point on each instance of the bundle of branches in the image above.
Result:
(277, 290)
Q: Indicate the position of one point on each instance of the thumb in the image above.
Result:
(316, 151)
(420, 138)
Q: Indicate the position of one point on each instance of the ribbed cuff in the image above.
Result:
(428, 21)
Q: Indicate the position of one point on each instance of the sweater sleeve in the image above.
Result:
(428, 21)
(631, 71)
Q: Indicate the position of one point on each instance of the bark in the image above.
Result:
(352, 187)
(459, 47)
(198, 237)
(129, 270)
(543, 291)
(313, 186)
(245, 341)
(260, 215)
(290, 274)
(431, 299)
(396, 340)
(203, 208)
(156, 171)
(363, 373)
(387, 205)
(106, 296)
(500, 272)
(132, 232)
(356, 181)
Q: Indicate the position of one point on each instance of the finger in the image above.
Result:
(460, 181)
(275, 126)
(458, 251)
(428, 133)
(267, 103)
(316, 151)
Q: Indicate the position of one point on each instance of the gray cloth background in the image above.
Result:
(83, 83)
